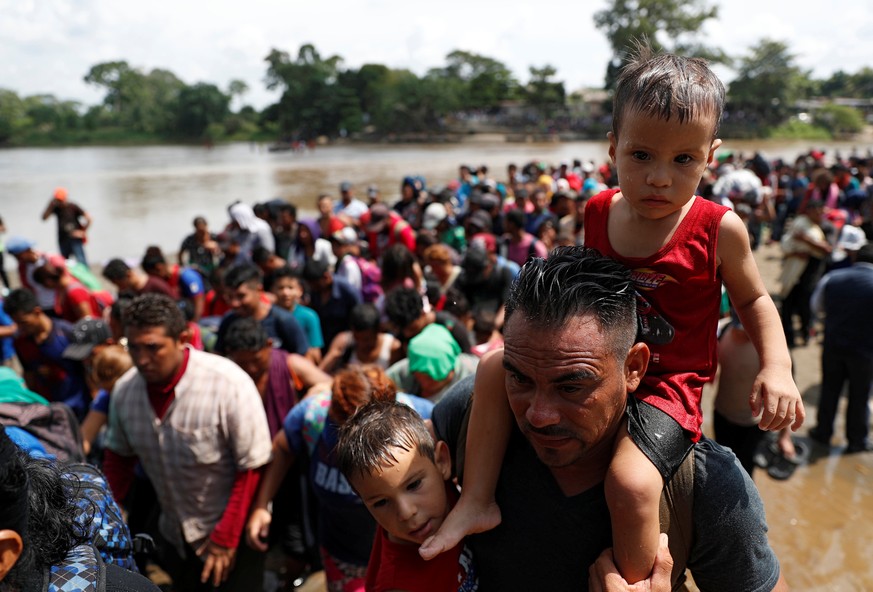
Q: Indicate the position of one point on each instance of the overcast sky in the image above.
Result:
(47, 46)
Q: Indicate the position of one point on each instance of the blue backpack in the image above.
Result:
(109, 539)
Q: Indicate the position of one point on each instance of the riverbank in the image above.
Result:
(116, 137)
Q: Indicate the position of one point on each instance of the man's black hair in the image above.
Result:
(456, 303)
(576, 281)
(403, 306)
(43, 510)
(152, 258)
(20, 301)
(155, 310)
(116, 270)
(289, 208)
(364, 317)
(865, 254)
(516, 217)
(245, 334)
(314, 269)
(242, 273)
(261, 255)
(121, 303)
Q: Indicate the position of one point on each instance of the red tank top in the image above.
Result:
(682, 283)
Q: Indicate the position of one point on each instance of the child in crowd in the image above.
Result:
(680, 249)
(388, 456)
(286, 286)
(108, 366)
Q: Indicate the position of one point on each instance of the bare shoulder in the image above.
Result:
(733, 239)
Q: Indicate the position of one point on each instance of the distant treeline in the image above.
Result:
(321, 97)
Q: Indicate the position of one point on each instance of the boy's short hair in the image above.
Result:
(243, 273)
(666, 85)
(367, 439)
(286, 271)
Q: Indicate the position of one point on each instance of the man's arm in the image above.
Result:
(50, 209)
(603, 575)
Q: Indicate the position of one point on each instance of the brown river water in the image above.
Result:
(821, 519)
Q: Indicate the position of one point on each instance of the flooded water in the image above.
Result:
(821, 520)
(139, 196)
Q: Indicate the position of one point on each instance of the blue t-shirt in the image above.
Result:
(346, 527)
(310, 323)
(101, 402)
(190, 283)
(62, 379)
(6, 348)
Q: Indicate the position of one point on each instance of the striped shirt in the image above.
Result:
(214, 428)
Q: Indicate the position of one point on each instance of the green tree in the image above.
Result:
(308, 106)
(839, 119)
(543, 93)
(198, 107)
(486, 81)
(48, 114)
(117, 78)
(766, 87)
(13, 115)
(237, 89)
(138, 102)
(668, 25)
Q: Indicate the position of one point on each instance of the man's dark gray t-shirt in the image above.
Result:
(547, 541)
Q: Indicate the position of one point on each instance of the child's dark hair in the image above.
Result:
(665, 86)
(364, 317)
(368, 438)
(285, 271)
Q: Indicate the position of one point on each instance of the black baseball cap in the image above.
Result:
(87, 333)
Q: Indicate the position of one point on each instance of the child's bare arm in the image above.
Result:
(487, 436)
(774, 393)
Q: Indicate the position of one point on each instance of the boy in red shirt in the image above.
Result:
(388, 456)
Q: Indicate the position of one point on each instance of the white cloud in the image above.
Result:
(49, 45)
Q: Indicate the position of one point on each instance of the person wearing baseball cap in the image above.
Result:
(73, 222)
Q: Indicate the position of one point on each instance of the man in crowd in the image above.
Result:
(405, 309)
(571, 364)
(247, 299)
(127, 279)
(332, 298)
(197, 424)
(29, 260)
(483, 281)
(844, 296)
(73, 222)
(350, 208)
(40, 347)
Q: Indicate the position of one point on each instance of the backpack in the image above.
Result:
(371, 278)
(100, 513)
(109, 540)
(54, 425)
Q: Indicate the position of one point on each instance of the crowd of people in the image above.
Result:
(220, 388)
